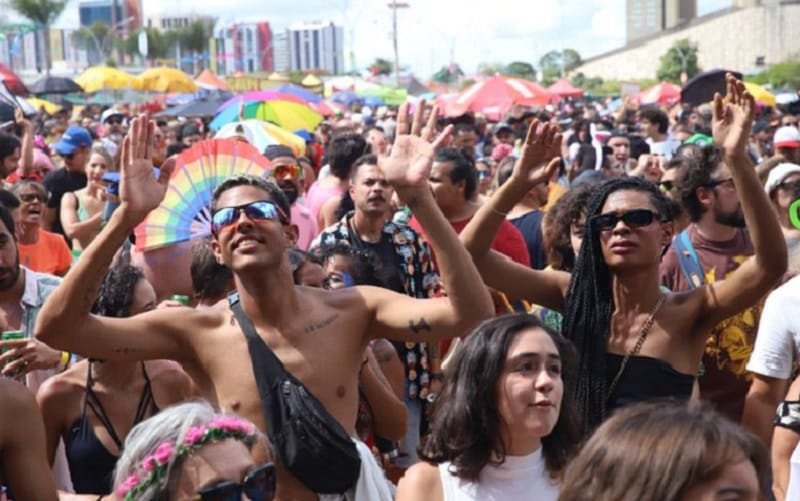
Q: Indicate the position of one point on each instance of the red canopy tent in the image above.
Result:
(12, 81)
(207, 79)
(495, 96)
(664, 93)
(564, 88)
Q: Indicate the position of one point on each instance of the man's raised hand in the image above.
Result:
(140, 191)
(540, 154)
(733, 118)
(409, 164)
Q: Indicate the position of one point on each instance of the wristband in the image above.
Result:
(504, 214)
(64, 362)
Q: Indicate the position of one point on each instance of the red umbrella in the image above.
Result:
(12, 81)
(495, 96)
(664, 93)
(563, 88)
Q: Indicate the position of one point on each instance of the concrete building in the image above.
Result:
(242, 47)
(280, 52)
(166, 22)
(316, 46)
(648, 17)
(739, 38)
(126, 13)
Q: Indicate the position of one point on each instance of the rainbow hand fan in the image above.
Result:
(185, 212)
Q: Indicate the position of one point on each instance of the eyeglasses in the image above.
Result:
(31, 197)
(788, 186)
(114, 121)
(258, 485)
(666, 186)
(715, 183)
(259, 210)
(483, 174)
(790, 124)
(637, 218)
(281, 171)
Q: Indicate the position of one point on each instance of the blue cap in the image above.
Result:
(73, 138)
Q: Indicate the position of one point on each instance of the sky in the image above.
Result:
(433, 33)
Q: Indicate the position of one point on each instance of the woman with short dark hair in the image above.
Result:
(504, 426)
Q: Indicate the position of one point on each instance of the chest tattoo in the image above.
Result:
(321, 324)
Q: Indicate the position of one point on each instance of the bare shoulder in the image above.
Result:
(66, 385)
(420, 482)
(170, 380)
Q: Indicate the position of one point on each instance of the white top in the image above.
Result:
(518, 478)
(664, 148)
(778, 340)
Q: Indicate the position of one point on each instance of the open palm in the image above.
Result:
(733, 117)
(411, 159)
(140, 191)
(540, 154)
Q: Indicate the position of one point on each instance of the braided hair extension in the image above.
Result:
(590, 303)
(116, 293)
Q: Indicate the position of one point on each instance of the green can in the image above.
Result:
(180, 298)
(12, 335)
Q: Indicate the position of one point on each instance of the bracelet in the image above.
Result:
(65, 356)
(504, 214)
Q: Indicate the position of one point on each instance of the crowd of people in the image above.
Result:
(569, 304)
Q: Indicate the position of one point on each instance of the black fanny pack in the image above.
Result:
(309, 442)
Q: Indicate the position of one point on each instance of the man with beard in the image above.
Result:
(10, 154)
(783, 188)
(288, 174)
(22, 294)
(74, 147)
(405, 267)
(714, 245)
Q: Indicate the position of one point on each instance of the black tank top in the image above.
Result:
(91, 466)
(645, 378)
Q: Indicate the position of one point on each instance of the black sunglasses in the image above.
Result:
(637, 218)
(792, 185)
(31, 197)
(258, 485)
(714, 184)
(257, 211)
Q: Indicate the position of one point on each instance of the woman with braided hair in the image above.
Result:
(634, 341)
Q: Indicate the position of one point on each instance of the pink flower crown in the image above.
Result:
(154, 466)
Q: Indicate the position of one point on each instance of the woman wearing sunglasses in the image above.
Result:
(634, 341)
(190, 452)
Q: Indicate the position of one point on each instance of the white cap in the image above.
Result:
(787, 137)
(111, 112)
(778, 174)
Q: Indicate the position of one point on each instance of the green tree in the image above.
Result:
(96, 40)
(381, 66)
(519, 69)
(158, 44)
(42, 13)
(449, 74)
(194, 38)
(555, 61)
(680, 58)
(490, 69)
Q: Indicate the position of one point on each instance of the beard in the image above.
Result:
(290, 191)
(733, 219)
(13, 274)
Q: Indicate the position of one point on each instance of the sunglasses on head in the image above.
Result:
(281, 171)
(259, 210)
(258, 485)
(637, 218)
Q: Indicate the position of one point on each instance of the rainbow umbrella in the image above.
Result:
(262, 134)
(285, 110)
(185, 212)
(304, 94)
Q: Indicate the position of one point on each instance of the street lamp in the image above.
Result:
(394, 5)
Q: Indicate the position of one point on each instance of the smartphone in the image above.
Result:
(12, 335)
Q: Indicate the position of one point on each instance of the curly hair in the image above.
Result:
(365, 266)
(557, 223)
(466, 426)
(115, 297)
(696, 170)
(590, 302)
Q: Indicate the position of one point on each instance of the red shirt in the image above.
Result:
(508, 241)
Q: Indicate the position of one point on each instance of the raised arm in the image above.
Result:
(73, 226)
(65, 320)
(468, 302)
(536, 165)
(731, 125)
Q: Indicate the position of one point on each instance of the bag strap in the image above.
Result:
(688, 260)
(265, 363)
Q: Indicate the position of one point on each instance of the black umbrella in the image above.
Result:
(54, 85)
(6, 112)
(198, 108)
(702, 87)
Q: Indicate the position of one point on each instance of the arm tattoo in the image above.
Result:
(420, 326)
(125, 350)
(322, 324)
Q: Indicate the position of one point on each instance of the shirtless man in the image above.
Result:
(23, 463)
(319, 336)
